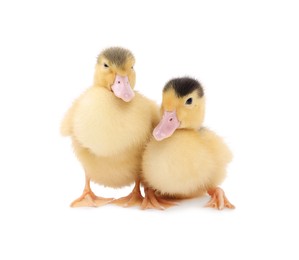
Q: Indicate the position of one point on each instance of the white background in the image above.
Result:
(245, 53)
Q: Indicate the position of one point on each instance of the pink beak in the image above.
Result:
(168, 124)
(122, 88)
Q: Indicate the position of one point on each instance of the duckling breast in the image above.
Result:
(107, 125)
(184, 163)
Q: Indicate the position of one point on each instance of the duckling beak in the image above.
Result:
(168, 124)
(122, 88)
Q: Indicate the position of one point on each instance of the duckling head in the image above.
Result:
(182, 107)
(115, 72)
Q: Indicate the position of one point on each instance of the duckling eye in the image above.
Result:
(132, 67)
(189, 101)
(106, 65)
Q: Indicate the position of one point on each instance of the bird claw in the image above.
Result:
(152, 201)
(89, 199)
(218, 200)
(133, 199)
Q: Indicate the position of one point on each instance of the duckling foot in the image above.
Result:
(133, 199)
(218, 200)
(89, 199)
(152, 201)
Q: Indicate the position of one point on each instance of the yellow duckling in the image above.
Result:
(184, 159)
(109, 125)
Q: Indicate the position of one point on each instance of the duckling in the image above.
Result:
(184, 159)
(109, 125)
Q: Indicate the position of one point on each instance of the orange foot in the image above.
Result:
(133, 199)
(218, 200)
(152, 201)
(89, 199)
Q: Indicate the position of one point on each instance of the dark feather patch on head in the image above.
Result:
(184, 86)
(116, 55)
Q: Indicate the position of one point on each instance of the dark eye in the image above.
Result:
(132, 67)
(105, 65)
(189, 101)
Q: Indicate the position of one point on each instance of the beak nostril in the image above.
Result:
(118, 82)
(170, 119)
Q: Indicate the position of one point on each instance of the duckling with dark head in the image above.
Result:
(180, 96)
(184, 159)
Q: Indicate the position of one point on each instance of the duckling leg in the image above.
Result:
(152, 201)
(134, 198)
(218, 199)
(88, 198)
